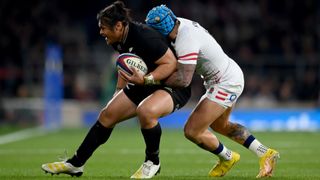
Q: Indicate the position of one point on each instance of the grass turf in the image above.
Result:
(122, 155)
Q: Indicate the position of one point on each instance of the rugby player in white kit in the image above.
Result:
(199, 52)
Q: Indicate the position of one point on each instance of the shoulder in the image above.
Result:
(148, 43)
(186, 31)
(143, 31)
(141, 35)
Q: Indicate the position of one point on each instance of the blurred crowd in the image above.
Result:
(276, 43)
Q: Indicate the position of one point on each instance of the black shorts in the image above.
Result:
(136, 94)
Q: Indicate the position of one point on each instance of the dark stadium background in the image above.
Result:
(276, 43)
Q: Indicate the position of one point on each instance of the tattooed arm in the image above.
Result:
(182, 77)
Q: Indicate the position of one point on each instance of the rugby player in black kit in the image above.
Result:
(147, 98)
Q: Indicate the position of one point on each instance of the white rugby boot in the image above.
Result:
(62, 167)
(146, 171)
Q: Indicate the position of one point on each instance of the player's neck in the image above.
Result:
(124, 33)
(173, 34)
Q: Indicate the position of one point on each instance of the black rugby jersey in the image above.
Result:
(145, 42)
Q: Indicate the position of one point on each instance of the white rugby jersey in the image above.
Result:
(194, 45)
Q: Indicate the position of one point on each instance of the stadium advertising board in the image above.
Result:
(261, 119)
(257, 120)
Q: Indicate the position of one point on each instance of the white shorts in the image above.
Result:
(224, 95)
(227, 92)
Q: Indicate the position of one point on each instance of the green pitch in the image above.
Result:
(122, 155)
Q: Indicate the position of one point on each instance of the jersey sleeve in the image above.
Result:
(186, 47)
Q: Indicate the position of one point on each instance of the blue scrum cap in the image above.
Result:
(162, 19)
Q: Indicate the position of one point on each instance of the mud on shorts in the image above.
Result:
(136, 94)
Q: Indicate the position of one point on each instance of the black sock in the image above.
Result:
(97, 135)
(152, 140)
(248, 141)
(218, 150)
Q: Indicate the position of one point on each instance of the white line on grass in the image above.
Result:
(23, 134)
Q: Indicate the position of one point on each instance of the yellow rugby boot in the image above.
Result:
(224, 166)
(268, 163)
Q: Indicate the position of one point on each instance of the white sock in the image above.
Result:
(225, 154)
(258, 148)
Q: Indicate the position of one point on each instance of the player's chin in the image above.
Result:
(108, 41)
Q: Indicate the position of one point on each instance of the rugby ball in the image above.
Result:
(126, 61)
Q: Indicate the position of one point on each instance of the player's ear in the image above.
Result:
(118, 26)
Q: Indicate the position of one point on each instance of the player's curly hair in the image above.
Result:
(113, 13)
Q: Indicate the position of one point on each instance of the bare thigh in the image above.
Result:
(156, 105)
(118, 109)
(205, 113)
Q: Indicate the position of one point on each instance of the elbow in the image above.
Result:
(186, 81)
(186, 84)
(183, 83)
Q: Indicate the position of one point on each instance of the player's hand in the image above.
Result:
(135, 78)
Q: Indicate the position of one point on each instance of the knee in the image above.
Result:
(147, 116)
(144, 112)
(106, 118)
(190, 133)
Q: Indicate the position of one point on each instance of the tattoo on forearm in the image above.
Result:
(172, 79)
(238, 132)
(176, 79)
(182, 76)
